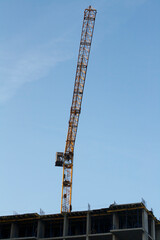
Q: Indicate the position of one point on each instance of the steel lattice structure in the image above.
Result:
(67, 158)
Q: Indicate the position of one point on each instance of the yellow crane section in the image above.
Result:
(65, 159)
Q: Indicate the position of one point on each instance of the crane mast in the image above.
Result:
(65, 159)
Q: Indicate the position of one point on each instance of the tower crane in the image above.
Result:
(65, 159)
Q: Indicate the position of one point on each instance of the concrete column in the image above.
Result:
(88, 225)
(144, 236)
(114, 237)
(40, 229)
(115, 221)
(145, 224)
(14, 230)
(153, 233)
(65, 225)
(145, 220)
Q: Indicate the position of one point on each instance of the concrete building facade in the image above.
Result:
(118, 222)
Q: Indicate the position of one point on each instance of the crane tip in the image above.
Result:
(91, 8)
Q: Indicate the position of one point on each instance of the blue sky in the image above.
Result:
(117, 152)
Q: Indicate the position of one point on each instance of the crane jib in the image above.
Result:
(65, 159)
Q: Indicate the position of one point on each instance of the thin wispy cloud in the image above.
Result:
(18, 67)
(35, 63)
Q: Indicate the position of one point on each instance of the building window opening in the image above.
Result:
(27, 229)
(53, 228)
(101, 224)
(149, 225)
(5, 231)
(76, 226)
(130, 219)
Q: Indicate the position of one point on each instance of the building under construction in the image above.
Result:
(118, 222)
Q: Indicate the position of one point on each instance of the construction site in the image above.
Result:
(118, 222)
(132, 221)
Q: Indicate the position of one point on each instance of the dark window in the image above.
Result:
(76, 226)
(130, 219)
(101, 224)
(27, 229)
(53, 228)
(149, 224)
(5, 231)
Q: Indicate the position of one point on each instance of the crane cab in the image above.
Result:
(59, 159)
